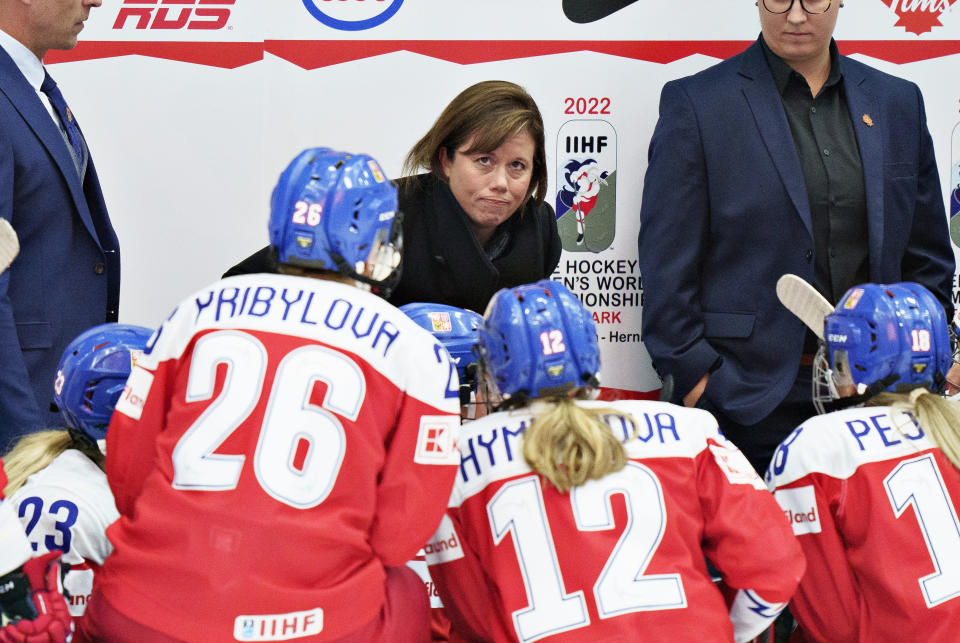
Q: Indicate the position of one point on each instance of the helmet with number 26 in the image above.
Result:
(893, 334)
(92, 373)
(538, 340)
(337, 211)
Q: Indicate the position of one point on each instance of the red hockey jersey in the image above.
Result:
(515, 560)
(282, 440)
(874, 504)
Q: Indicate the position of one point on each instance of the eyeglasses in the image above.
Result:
(783, 6)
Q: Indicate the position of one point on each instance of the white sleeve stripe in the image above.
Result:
(751, 615)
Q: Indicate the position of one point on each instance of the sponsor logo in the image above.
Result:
(445, 544)
(174, 14)
(735, 465)
(437, 441)
(278, 627)
(352, 15)
(586, 173)
(836, 338)
(582, 11)
(919, 16)
(134, 394)
(799, 505)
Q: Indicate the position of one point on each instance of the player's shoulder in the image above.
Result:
(838, 443)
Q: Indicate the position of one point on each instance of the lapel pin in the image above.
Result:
(868, 120)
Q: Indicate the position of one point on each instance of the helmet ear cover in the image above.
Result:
(538, 340)
(887, 338)
(336, 211)
(92, 373)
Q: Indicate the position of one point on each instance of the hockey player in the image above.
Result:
(30, 592)
(287, 443)
(456, 330)
(573, 520)
(56, 479)
(872, 491)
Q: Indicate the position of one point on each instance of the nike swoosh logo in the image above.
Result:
(582, 11)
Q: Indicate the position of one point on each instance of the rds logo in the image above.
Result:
(352, 15)
(208, 14)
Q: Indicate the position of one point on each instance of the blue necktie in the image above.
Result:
(49, 87)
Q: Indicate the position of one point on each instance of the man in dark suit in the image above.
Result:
(787, 158)
(67, 275)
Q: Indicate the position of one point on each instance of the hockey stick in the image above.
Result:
(803, 300)
(9, 245)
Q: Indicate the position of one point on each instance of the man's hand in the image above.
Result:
(33, 600)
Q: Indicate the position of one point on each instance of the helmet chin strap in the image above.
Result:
(854, 400)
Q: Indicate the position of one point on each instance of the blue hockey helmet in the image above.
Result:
(895, 335)
(456, 329)
(538, 340)
(337, 211)
(92, 373)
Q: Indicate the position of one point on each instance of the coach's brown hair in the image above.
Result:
(489, 113)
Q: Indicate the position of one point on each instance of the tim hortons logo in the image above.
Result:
(919, 16)
(183, 14)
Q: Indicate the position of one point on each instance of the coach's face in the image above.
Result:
(800, 38)
(55, 24)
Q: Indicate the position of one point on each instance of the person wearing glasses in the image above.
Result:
(786, 158)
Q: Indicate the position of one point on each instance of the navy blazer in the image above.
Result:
(67, 275)
(725, 213)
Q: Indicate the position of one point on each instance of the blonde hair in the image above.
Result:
(568, 444)
(490, 113)
(936, 415)
(36, 451)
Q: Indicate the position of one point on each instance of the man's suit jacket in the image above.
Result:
(67, 275)
(725, 213)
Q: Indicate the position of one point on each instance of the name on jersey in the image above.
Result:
(878, 432)
(278, 627)
(297, 306)
(501, 446)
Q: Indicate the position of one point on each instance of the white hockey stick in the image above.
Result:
(803, 300)
(9, 245)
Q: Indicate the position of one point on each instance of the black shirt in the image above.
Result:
(830, 159)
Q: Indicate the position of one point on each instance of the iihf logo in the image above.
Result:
(955, 186)
(352, 15)
(586, 173)
(919, 16)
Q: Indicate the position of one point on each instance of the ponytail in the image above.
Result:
(36, 451)
(568, 444)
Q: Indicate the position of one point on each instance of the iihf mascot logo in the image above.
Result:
(919, 16)
(586, 173)
(352, 15)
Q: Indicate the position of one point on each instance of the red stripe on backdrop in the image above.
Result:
(227, 55)
(611, 394)
(314, 54)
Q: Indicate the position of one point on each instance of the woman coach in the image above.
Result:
(476, 221)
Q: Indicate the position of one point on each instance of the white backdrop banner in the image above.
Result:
(193, 107)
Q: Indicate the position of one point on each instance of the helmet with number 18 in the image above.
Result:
(892, 336)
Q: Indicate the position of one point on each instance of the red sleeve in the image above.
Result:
(746, 535)
(469, 598)
(827, 602)
(415, 482)
(134, 427)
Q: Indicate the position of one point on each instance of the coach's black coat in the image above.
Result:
(442, 259)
